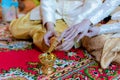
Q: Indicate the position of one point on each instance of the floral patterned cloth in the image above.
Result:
(7, 42)
(19, 61)
(83, 68)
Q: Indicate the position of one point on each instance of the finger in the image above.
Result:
(62, 45)
(61, 36)
(71, 36)
(68, 31)
(67, 47)
(46, 39)
(58, 47)
(64, 48)
(81, 36)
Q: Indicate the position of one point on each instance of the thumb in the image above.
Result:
(80, 37)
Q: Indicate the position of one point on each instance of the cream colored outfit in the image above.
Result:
(71, 11)
(62, 13)
(104, 10)
(106, 46)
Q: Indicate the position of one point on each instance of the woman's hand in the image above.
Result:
(78, 30)
(93, 31)
(66, 45)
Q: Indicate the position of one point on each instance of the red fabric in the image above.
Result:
(20, 58)
(63, 55)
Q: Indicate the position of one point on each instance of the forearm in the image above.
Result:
(103, 11)
(87, 9)
(49, 26)
(109, 28)
(116, 16)
(48, 11)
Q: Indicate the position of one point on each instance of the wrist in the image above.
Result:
(101, 31)
(88, 22)
(98, 30)
(49, 26)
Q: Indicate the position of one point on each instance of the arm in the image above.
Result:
(48, 8)
(103, 11)
(116, 16)
(81, 23)
(109, 28)
(104, 29)
(87, 9)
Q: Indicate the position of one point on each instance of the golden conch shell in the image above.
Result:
(47, 60)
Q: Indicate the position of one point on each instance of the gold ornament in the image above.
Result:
(47, 59)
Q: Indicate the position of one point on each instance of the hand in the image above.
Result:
(78, 30)
(50, 33)
(93, 31)
(66, 45)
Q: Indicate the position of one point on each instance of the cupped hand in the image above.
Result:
(48, 35)
(50, 32)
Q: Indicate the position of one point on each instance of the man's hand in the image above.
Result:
(50, 33)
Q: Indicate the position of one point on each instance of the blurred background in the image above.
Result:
(24, 6)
